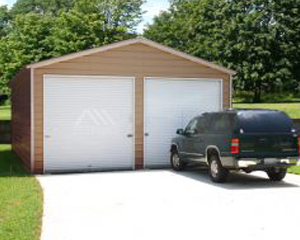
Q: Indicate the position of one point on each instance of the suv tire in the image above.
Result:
(217, 172)
(176, 162)
(276, 175)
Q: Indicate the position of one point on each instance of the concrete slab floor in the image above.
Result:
(162, 204)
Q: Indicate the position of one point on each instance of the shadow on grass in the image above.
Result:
(236, 180)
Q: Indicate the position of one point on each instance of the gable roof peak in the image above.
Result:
(139, 39)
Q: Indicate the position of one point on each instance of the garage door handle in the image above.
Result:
(47, 136)
(130, 135)
(146, 134)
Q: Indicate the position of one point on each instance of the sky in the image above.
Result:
(8, 2)
(152, 8)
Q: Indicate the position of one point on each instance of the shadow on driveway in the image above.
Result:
(236, 181)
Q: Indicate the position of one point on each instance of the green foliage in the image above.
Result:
(25, 43)
(242, 96)
(258, 38)
(39, 29)
(42, 6)
(4, 20)
(90, 24)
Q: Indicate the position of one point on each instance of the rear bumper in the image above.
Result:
(258, 164)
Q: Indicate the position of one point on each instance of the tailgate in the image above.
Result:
(271, 145)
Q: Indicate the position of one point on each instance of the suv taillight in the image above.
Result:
(298, 143)
(235, 145)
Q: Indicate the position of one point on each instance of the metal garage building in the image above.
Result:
(113, 107)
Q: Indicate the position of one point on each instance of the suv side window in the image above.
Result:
(197, 125)
(192, 126)
(221, 123)
(201, 125)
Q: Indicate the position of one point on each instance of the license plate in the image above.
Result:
(271, 160)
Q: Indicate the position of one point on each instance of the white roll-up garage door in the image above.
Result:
(88, 123)
(170, 104)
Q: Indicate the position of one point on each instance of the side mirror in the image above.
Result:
(180, 131)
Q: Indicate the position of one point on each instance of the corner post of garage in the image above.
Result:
(139, 122)
(32, 119)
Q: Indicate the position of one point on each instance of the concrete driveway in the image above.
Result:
(162, 204)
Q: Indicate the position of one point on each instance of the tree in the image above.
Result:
(255, 37)
(118, 12)
(40, 29)
(287, 15)
(93, 23)
(4, 20)
(42, 6)
(25, 43)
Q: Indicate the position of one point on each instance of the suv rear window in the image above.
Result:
(264, 122)
(221, 123)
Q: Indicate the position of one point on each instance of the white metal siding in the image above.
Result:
(87, 120)
(170, 104)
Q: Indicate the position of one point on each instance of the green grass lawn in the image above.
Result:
(292, 109)
(21, 200)
(5, 113)
(295, 170)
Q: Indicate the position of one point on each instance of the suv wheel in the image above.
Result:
(176, 163)
(276, 174)
(216, 171)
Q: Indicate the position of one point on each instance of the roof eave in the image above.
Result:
(128, 42)
(81, 53)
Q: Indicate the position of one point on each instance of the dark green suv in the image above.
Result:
(232, 140)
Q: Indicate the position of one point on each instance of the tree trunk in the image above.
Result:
(257, 92)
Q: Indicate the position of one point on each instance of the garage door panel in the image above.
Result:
(86, 120)
(170, 104)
